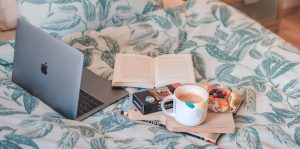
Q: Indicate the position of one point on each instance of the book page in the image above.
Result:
(174, 68)
(133, 69)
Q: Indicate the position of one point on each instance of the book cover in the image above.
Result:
(149, 101)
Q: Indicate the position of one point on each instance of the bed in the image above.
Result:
(227, 48)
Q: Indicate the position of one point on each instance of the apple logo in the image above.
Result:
(44, 68)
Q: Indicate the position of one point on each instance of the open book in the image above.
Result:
(146, 72)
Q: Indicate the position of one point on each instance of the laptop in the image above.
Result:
(53, 72)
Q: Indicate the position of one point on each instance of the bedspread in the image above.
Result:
(227, 48)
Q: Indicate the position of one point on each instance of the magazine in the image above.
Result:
(146, 72)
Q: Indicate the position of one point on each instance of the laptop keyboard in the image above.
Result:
(86, 103)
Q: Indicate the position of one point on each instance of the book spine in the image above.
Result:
(157, 123)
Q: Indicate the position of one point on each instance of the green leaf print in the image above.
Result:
(199, 64)
(290, 85)
(141, 45)
(182, 36)
(8, 111)
(297, 135)
(172, 145)
(143, 32)
(53, 117)
(61, 21)
(273, 118)
(6, 65)
(6, 128)
(296, 120)
(68, 9)
(38, 2)
(220, 34)
(166, 46)
(68, 140)
(85, 131)
(36, 129)
(281, 136)
(89, 10)
(250, 100)
(285, 66)
(192, 146)
(16, 95)
(19, 139)
(232, 42)
(292, 88)
(65, 1)
(285, 113)
(224, 70)
(194, 20)
(174, 14)
(98, 143)
(113, 122)
(108, 58)
(248, 138)
(88, 57)
(166, 138)
(189, 4)
(123, 9)
(5, 144)
(275, 66)
(258, 86)
(255, 54)
(268, 42)
(244, 119)
(2, 43)
(156, 130)
(30, 103)
(85, 41)
(104, 7)
(185, 45)
(215, 52)
(149, 7)
(225, 15)
(209, 39)
(231, 79)
(161, 21)
(111, 44)
(274, 96)
(214, 9)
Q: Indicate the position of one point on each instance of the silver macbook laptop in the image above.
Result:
(53, 71)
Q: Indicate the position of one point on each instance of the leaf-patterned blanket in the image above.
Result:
(227, 48)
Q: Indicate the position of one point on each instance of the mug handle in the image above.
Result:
(162, 105)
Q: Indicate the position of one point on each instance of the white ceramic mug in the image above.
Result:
(190, 111)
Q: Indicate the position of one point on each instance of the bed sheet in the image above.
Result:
(227, 48)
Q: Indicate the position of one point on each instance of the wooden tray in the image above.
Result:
(214, 123)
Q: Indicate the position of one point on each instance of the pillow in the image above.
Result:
(61, 17)
(8, 14)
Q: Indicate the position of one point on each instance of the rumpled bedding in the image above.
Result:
(227, 48)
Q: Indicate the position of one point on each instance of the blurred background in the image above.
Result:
(280, 16)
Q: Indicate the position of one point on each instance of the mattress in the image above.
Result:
(227, 48)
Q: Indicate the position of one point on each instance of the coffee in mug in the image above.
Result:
(190, 98)
(190, 103)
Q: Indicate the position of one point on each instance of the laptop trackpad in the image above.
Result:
(90, 81)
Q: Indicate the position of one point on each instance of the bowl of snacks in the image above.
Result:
(218, 100)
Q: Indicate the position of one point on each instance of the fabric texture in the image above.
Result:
(8, 14)
(66, 16)
(227, 48)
